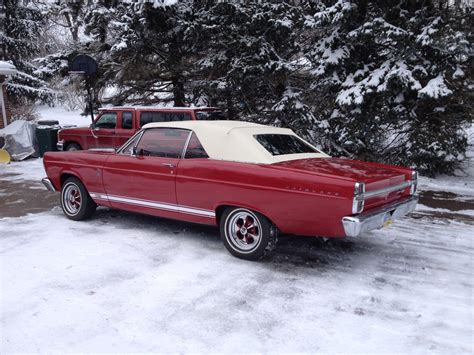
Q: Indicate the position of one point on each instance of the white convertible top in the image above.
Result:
(235, 141)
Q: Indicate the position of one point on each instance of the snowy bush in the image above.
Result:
(24, 111)
(70, 93)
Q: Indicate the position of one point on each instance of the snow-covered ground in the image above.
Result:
(65, 117)
(129, 283)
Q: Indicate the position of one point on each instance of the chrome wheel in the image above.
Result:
(71, 199)
(75, 200)
(247, 234)
(243, 230)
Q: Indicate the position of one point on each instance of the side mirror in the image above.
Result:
(92, 125)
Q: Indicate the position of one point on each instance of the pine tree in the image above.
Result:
(141, 51)
(246, 61)
(388, 81)
(388, 71)
(20, 37)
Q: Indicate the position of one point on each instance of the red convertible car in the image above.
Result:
(253, 181)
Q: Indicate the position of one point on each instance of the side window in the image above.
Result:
(163, 142)
(127, 120)
(130, 144)
(179, 116)
(107, 120)
(166, 116)
(195, 149)
(149, 117)
(210, 115)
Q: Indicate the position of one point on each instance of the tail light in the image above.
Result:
(358, 201)
(414, 182)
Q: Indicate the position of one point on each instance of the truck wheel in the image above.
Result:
(76, 201)
(246, 234)
(71, 147)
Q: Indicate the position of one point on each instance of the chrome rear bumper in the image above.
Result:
(378, 218)
(48, 184)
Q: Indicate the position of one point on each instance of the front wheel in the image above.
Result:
(76, 201)
(72, 147)
(247, 234)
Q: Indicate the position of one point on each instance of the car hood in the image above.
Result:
(343, 168)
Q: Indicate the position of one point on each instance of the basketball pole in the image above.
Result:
(89, 95)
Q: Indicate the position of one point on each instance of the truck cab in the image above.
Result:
(113, 126)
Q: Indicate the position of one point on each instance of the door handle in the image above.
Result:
(171, 165)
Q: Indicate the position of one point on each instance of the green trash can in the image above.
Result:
(47, 136)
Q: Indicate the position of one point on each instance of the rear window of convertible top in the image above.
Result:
(281, 144)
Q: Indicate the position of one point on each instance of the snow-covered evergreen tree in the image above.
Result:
(388, 81)
(247, 53)
(396, 74)
(20, 36)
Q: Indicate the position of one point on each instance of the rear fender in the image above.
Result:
(221, 207)
(67, 174)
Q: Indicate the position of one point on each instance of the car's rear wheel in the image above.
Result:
(76, 201)
(71, 147)
(247, 234)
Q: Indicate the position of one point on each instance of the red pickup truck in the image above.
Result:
(115, 125)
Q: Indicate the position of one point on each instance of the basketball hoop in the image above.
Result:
(86, 66)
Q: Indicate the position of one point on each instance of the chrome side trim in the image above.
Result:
(386, 190)
(375, 219)
(48, 184)
(154, 204)
(96, 196)
(105, 150)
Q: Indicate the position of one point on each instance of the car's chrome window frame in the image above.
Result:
(140, 133)
(126, 145)
(185, 150)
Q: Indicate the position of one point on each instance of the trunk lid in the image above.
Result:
(351, 169)
(375, 176)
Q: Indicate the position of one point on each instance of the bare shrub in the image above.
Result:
(70, 94)
(24, 111)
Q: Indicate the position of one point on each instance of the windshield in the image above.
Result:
(281, 144)
(210, 115)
